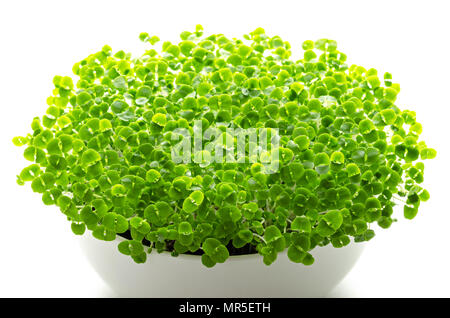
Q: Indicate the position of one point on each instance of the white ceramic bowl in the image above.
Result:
(240, 276)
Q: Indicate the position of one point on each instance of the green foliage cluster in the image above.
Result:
(101, 153)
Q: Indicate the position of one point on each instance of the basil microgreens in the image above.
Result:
(348, 153)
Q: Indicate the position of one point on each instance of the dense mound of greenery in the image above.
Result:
(347, 152)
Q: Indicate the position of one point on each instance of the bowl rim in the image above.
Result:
(119, 239)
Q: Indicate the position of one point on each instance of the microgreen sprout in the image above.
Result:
(347, 153)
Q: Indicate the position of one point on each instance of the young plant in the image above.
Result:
(103, 151)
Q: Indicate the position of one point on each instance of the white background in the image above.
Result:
(40, 257)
